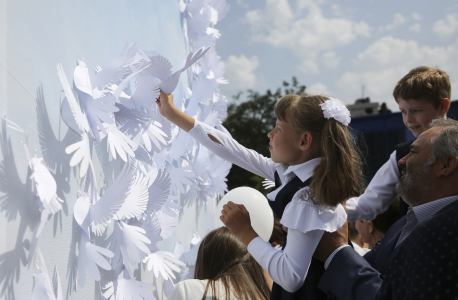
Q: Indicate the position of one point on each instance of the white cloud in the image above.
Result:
(330, 60)
(386, 61)
(415, 27)
(318, 89)
(304, 30)
(398, 20)
(416, 16)
(445, 28)
(240, 72)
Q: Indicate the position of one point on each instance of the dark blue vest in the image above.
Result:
(309, 289)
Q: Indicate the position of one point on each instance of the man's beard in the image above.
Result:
(415, 185)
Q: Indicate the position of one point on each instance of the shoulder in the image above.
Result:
(304, 214)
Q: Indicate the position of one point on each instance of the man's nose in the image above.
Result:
(402, 162)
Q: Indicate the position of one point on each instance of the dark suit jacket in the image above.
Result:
(424, 266)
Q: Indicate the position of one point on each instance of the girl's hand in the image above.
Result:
(237, 219)
(165, 104)
(173, 114)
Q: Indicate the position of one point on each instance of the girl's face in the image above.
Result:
(284, 144)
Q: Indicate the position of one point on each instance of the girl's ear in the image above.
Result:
(370, 226)
(306, 141)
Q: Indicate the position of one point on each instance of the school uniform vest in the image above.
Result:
(401, 151)
(309, 289)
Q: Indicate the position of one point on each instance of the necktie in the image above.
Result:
(411, 223)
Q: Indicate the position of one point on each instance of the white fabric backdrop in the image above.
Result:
(35, 36)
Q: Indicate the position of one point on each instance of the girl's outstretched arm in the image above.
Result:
(218, 142)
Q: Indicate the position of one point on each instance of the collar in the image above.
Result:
(427, 210)
(305, 170)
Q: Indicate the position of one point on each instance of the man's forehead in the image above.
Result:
(426, 136)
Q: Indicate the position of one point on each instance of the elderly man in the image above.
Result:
(418, 258)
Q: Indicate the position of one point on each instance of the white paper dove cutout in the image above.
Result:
(167, 223)
(115, 69)
(198, 18)
(44, 286)
(158, 192)
(71, 109)
(152, 227)
(165, 263)
(128, 243)
(180, 177)
(82, 155)
(45, 191)
(267, 184)
(118, 142)
(137, 198)
(169, 84)
(99, 104)
(125, 287)
(97, 213)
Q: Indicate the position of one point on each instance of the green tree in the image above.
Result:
(249, 123)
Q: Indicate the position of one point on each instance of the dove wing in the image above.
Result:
(75, 109)
(116, 68)
(137, 200)
(103, 210)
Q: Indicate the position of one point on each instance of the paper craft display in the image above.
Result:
(45, 191)
(164, 263)
(125, 287)
(261, 215)
(44, 286)
(163, 168)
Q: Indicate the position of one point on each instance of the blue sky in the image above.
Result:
(336, 47)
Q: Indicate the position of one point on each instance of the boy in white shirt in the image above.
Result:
(422, 95)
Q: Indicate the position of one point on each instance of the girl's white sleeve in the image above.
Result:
(378, 194)
(232, 151)
(306, 224)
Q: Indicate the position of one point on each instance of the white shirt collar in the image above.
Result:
(305, 170)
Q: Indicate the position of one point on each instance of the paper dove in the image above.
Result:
(125, 287)
(128, 243)
(169, 84)
(89, 211)
(267, 184)
(158, 192)
(180, 177)
(99, 104)
(115, 69)
(167, 223)
(219, 10)
(44, 287)
(150, 223)
(45, 191)
(151, 128)
(198, 16)
(163, 262)
(137, 199)
(118, 142)
(82, 155)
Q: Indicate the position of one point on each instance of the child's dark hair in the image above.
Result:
(223, 257)
(424, 83)
(339, 174)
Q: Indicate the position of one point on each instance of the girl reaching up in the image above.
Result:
(315, 166)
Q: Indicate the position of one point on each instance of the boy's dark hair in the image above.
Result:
(424, 83)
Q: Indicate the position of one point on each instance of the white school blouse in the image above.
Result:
(194, 289)
(378, 194)
(306, 221)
